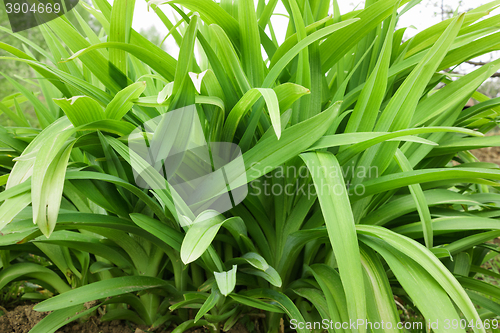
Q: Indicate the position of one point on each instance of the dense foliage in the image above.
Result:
(343, 104)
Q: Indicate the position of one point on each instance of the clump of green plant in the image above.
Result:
(362, 189)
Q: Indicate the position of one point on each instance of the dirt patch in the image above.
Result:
(94, 325)
(490, 154)
(238, 328)
(21, 319)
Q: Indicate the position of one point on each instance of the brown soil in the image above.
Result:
(22, 318)
(491, 154)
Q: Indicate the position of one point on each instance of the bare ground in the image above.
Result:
(22, 318)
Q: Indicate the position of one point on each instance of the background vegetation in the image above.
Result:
(342, 91)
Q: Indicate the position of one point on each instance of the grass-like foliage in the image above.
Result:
(364, 201)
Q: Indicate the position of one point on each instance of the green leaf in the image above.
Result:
(429, 36)
(456, 144)
(209, 304)
(427, 263)
(34, 271)
(275, 71)
(226, 281)
(119, 31)
(484, 302)
(273, 108)
(108, 74)
(230, 60)
(123, 314)
(164, 232)
(331, 285)
(401, 108)
(367, 107)
(100, 290)
(200, 235)
(186, 55)
(393, 181)
(362, 141)
(288, 93)
(470, 241)
(262, 267)
(13, 206)
(420, 201)
(418, 283)
(255, 303)
(250, 43)
(51, 194)
(406, 204)
(19, 120)
(270, 152)
(270, 275)
(380, 300)
(449, 96)
(165, 66)
(282, 301)
(81, 110)
(121, 103)
(100, 266)
(256, 260)
(211, 13)
(444, 225)
(59, 318)
(35, 65)
(244, 104)
(343, 41)
(191, 323)
(87, 243)
(335, 206)
(43, 114)
(316, 298)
